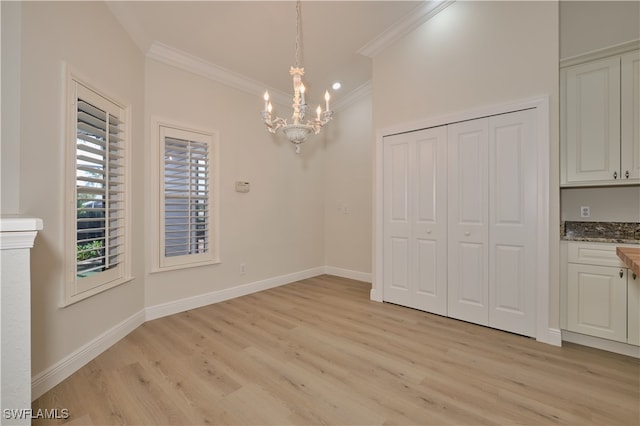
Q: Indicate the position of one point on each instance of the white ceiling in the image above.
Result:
(256, 39)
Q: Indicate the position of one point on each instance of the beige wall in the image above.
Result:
(593, 25)
(610, 204)
(85, 35)
(348, 189)
(475, 54)
(275, 229)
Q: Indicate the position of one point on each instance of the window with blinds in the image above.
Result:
(187, 236)
(98, 218)
(186, 197)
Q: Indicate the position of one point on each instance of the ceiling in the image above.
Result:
(256, 39)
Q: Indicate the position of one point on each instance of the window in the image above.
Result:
(186, 197)
(97, 192)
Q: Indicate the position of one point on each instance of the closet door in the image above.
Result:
(468, 195)
(415, 225)
(513, 192)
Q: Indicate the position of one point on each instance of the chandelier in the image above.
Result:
(298, 131)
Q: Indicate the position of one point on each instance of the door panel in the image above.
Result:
(468, 226)
(414, 179)
(512, 222)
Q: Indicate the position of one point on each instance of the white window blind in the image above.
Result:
(187, 175)
(186, 197)
(98, 218)
(99, 190)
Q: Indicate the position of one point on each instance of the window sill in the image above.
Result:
(75, 298)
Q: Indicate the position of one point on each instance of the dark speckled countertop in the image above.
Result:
(601, 232)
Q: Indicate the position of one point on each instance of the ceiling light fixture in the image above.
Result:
(298, 130)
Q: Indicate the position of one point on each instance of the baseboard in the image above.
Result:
(604, 344)
(348, 273)
(551, 336)
(177, 306)
(47, 379)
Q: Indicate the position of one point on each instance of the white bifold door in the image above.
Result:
(460, 220)
(415, 225)
(492, 210)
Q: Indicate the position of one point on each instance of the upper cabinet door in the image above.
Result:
(591, 115)
(630, 142)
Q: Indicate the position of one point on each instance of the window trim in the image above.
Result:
(74, 291)
(159, 262)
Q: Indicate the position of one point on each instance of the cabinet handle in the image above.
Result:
(621, 273)
(626, 174)
(634, 276)
(467, 233)
(615, 175)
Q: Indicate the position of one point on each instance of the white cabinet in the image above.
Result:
(459, 221)
(600, 142)
(597, 301)
(630, 120)
(602, 294)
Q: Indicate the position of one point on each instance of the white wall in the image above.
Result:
(85, 35)
(471, 55)
(348, 190)
(275, 229)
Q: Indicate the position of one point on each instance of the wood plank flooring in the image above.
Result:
(320, 352)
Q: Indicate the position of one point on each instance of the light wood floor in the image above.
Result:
(319, 352)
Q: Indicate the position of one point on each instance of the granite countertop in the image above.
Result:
(601, 232)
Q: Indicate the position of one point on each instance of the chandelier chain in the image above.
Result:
(298, 33)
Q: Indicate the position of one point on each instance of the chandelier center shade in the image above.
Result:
(298, 130)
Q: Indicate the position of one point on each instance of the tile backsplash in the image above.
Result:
(608, 232)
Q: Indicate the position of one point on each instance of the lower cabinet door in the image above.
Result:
(633, 309)
(597, 301)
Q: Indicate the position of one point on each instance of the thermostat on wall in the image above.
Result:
(242, 186)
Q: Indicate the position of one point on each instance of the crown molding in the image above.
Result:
(594, 55)
(190, 63)
(356, 94)
(179, 59)
(417, 17)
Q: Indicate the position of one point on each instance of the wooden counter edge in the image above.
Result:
(631, 257)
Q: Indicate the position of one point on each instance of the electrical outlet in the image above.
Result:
(243, 268)
(585, 211)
